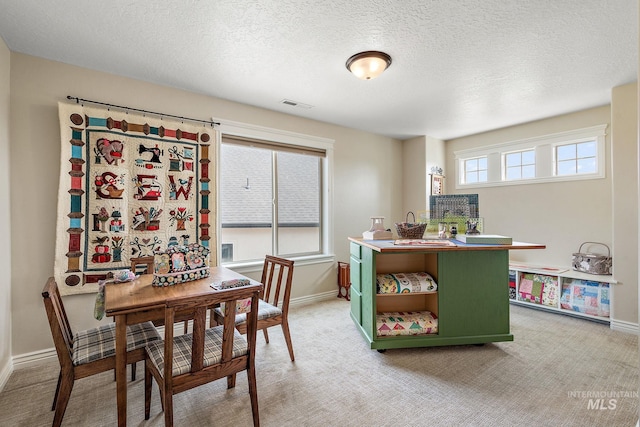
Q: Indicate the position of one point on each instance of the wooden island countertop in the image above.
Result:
(389, 246)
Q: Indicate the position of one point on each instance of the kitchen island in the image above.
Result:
(469, 303)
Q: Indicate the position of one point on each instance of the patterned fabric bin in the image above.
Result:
(538, 289)
(512, 284)
(402, 283)
(406, 323)
(179, 264)
(585, 296)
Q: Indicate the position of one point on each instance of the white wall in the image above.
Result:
(367, 174)
(5, 226)
(562, 215)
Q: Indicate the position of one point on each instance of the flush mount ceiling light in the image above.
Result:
(368, 65)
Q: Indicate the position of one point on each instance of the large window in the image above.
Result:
(570, 155)
(270, 199)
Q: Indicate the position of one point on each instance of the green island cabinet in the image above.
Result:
(471, 302)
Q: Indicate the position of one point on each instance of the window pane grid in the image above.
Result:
(475, 170)
(520, 165)
(576, 158)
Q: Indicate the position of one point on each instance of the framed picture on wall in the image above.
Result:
(437, 185)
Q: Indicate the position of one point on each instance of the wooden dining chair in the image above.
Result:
(273, 308)
(146, 262)
(186, 361)
(87, 352)
(145, 265)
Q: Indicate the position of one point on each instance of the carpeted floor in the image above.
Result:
(553, 374)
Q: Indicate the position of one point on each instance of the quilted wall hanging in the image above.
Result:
(130, 184)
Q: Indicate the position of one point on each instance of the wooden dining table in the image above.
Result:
(138, 301)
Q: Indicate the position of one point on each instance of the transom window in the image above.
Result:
(520, 165)
(475, 170)
(578, 158)
(565, 156)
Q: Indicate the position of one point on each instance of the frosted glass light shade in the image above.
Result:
(368, 65)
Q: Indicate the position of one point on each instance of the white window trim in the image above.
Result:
(544, 147)
(268, 134)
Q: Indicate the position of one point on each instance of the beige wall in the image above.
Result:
(624, 167)
(419, 155)
(414, 177)
(367, 178)
(562, 215)
(367, 173)
(5, 227)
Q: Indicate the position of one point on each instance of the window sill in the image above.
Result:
(540, 180)
(253, 266)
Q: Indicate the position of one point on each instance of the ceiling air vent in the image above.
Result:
(295, 104)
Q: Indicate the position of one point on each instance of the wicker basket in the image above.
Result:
(410, 230)
(592, 263)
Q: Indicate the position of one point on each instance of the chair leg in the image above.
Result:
(133, 372)
(66, 385)
(253, 393)
(168, 409)
(55, 396)
(231, 381)
(287, 338)
(147, 391)
(186, 326)
(266, 335)
(212, 318)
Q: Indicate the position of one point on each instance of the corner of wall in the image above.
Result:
(5, 372)
(5, 222)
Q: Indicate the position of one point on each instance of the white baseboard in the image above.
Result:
(5, 373)
(296, 302)
(622, 326)
(34, 358)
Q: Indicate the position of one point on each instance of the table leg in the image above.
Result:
(121, 368)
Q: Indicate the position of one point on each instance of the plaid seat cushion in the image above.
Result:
(265, 311)
(99, 343)
(182, 350)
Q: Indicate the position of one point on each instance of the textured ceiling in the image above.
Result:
(459, 67)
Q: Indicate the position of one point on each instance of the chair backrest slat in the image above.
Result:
(282, 284)
(169, 315)
(228, 332)
(197, 344)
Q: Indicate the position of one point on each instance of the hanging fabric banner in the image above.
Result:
(129, 185)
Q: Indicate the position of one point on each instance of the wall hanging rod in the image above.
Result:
(79, 100)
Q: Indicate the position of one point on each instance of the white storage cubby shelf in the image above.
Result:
(561, 290)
